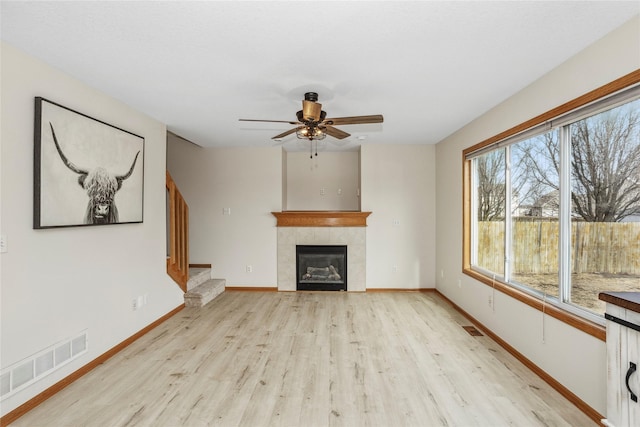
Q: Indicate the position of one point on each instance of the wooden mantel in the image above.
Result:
(321, 218)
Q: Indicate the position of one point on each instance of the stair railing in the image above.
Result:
(178, 257)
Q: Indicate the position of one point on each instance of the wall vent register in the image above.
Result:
(22, 374)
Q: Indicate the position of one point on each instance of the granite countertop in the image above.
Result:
(628, 300)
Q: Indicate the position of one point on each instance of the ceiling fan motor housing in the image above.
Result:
(311, 110)
(307, 119)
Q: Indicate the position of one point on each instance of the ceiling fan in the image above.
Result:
(313, 124)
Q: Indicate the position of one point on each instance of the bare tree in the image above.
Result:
(605, 165)
(535, 164)
(491, 186)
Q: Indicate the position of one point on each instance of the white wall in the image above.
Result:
(398, 186)
(284, 180)
(57, 282)
(575, 359)
(249, 182)
(337, 173)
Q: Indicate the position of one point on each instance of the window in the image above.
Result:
(552, 209)
(490, 198)
(534, 215)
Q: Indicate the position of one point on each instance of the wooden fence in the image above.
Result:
(596, 247)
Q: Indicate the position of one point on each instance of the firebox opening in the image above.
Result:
(321, 268)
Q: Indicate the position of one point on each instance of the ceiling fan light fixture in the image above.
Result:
(310, 133)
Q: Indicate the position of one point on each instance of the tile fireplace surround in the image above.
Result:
(322, 228)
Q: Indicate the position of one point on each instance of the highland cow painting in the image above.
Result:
(86, 172)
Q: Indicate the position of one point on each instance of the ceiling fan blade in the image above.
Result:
(335, 132)
(355, 120)
(289, 132)
(270, 121)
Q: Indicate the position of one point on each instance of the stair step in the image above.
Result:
(198, 276)
(204, 293)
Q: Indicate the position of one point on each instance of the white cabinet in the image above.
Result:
(623, 359)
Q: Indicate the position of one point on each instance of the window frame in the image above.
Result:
(590, 324)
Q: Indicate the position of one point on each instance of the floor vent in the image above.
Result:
(27, 371)
(472, 331)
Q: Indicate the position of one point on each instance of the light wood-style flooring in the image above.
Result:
(311, 359)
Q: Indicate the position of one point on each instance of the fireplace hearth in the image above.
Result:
(321, 268)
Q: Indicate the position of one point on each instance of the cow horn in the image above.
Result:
(128, 174)
(66, 161)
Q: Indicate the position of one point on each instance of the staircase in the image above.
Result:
(178, 224)
(195, 281)
(202, 288)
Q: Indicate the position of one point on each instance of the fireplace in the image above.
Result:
(321, 268)
(322, 228)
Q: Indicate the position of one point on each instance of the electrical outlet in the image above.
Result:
(322, 191)
(134, 304)
(396, 222)
(3, 243)
(249, 269)
(490, 301)
(395, 268)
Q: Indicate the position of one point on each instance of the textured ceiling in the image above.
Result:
(429, 67)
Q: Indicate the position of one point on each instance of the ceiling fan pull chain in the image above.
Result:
(316, 148)
(311, 149)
